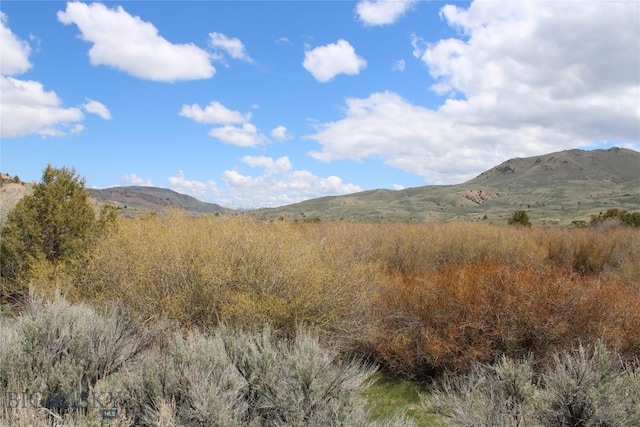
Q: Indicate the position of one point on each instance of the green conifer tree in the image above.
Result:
(54, 224)
(520, 217)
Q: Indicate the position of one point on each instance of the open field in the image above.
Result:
(418, 301)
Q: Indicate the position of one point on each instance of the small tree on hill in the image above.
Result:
(54, 224)
(520, 217)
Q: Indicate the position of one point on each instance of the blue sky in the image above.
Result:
(264, 103)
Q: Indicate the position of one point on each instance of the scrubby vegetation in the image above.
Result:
(521, 218)
(69, 365)
(618, 216)
(54, 355)
(585, 386)
(200, 271)
(243, 299)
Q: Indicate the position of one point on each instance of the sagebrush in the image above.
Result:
(586, 386)
(64, 364)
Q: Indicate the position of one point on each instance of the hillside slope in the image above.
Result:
(154, 198)
(10, 193)
(554, 188)
(616, 165)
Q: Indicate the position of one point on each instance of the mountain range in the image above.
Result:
(556, 188)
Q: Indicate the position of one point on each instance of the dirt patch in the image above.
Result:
(12, 186)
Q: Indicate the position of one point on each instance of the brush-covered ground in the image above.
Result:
(212, 320)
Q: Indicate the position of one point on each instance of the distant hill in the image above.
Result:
(617, 165)
(554, 188)
(153, 198)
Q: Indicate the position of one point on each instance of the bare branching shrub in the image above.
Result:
(587, 251)
(201, 271)
(418, 298)
(415, 249)
(423, 325)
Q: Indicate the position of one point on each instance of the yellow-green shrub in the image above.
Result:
(207, 269)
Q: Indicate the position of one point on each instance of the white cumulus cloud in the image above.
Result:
(399, 65)
(98, 108)
(233, 46)
(382, 12)
(246, 135)
(127, 43)
(200, 189)
(236, 130)
(277, 183)
(14, 53)
(280, 133)
(133, 179)
(523, 78)
(547, 64)
(409, 137)
(27, 108)
(326, 62)
(271, 166)
(214, 113)
(77, 129)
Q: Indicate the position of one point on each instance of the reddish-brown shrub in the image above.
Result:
(449, 318)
